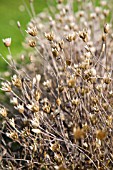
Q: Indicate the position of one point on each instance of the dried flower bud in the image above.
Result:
(18, 24)
(7, 42)
(32, 43)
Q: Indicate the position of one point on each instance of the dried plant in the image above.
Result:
(63, 111)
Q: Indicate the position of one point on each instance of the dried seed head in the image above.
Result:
(55, 52)
(35, 121)
(6, 86)
(78, 133)
(107, 78)
(98, 10)
(71, 82)
(12, 135)
(37, 95)
(104, 37)
(93, 15)
(109, 120)
(20, 108)
(12, 122)
(106, 12)
(61, 88)
(80, 13)
(46, 108)
(103, 3)
(3, 112)
(49, 36)
(32, 43)
(35, 108)
(58, 157)
(61, 44)
(100, 134)
(68, 62)
(58, 101)
(83, 35)
(106, 28)
(75, 102)
(16, 81)
(55, 147)
(32, 31)
(14, 101)
(7, 42)
(71, 37)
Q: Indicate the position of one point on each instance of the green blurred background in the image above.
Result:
(12, 11)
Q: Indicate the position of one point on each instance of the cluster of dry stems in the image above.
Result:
(63, 98)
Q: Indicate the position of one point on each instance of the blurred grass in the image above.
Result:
(12, 11)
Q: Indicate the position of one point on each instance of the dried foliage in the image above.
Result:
(63, 110)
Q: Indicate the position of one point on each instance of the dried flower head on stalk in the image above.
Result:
(63, 110)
